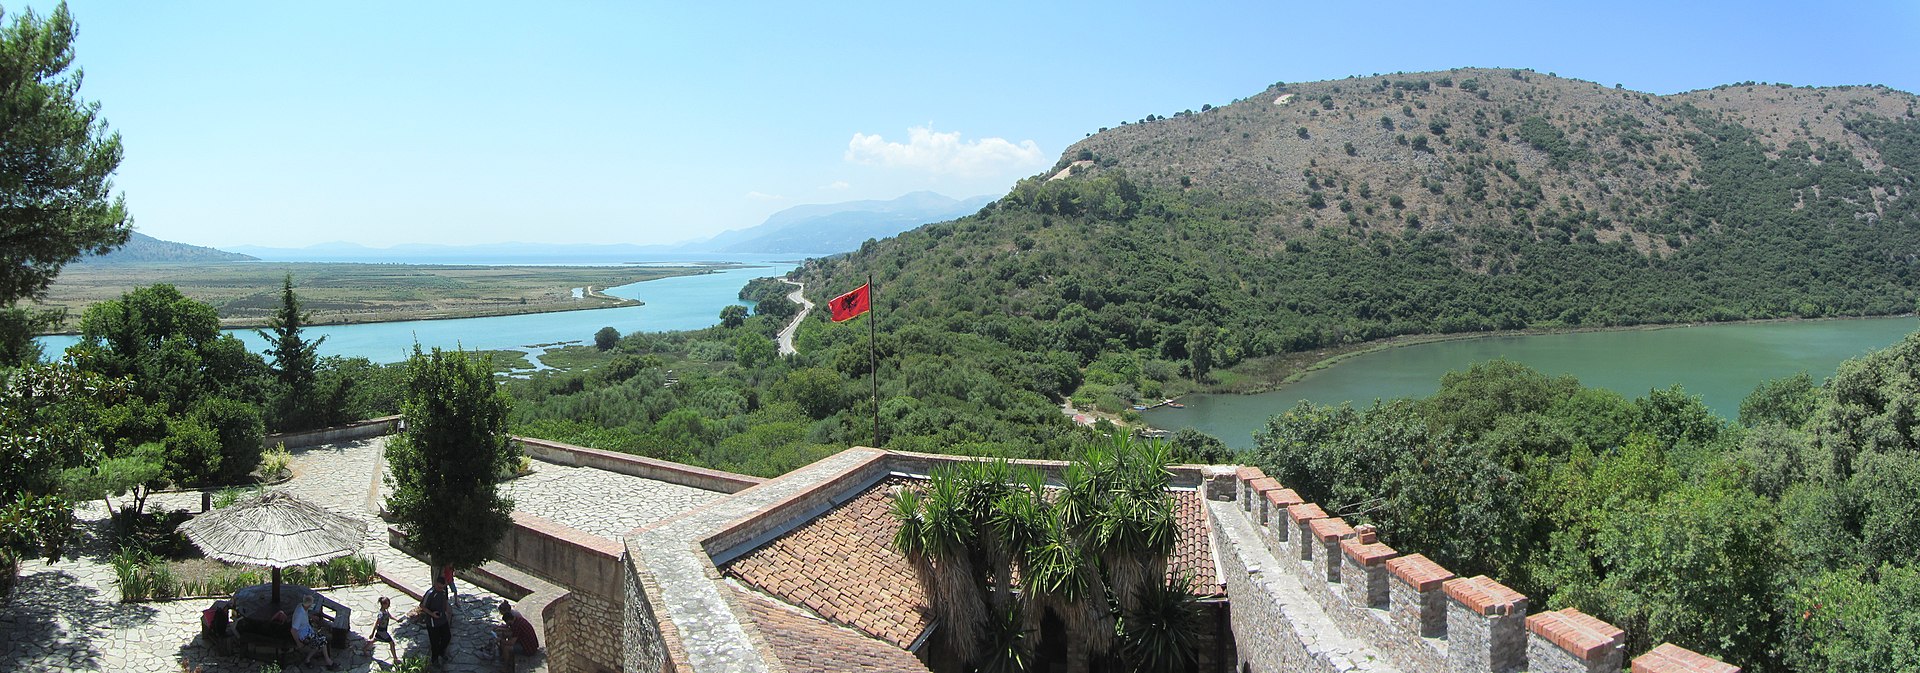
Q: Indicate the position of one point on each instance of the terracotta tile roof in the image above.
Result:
(843, 567)
(806, 643)
(1193, 544)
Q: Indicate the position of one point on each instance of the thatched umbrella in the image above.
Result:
(275, 530)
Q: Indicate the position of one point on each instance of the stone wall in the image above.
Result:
(590, 568)
(373, 427)
(637, 466)
(595, 625)
(1371, 607)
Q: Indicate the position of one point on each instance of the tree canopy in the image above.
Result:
(58, 195)
(445, 463)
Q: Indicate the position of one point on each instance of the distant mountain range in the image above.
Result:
(141, 248)
(814, 229)
(840, 227)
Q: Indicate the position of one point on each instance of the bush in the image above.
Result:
(275, 463)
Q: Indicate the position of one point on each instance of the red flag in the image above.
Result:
(847, 306)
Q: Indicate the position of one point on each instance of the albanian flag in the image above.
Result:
(847, 306)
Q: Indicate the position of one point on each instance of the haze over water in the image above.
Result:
(1720, 363)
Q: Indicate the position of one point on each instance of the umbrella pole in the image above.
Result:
(276, 588)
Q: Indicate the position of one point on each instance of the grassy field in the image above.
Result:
(246, 293)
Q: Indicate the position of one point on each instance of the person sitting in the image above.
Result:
(304, 633)
(515, 635)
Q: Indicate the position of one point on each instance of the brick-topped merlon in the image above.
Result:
(1363, 570)
(1367, 554)
(1328, 533)
(1299, 538)
(1257, 497)
(1245, 476)
(1671, 658)
(1486, 626)
(1419, 572)
(1571, 641)
(1282, 498)
(1483, 596)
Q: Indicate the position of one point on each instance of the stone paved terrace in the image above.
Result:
(66, 616)
(607, 504)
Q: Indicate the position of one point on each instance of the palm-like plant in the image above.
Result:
(1163, 633)
(1096, 552)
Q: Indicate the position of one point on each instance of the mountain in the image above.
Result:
(1329, 213)
(141, 248)
(839, 227)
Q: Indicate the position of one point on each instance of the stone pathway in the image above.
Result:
(607, 504)
(66, 616)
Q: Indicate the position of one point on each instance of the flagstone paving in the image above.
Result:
(607, 504)
(66, 615)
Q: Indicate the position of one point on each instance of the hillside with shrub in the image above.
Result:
(1332, 213)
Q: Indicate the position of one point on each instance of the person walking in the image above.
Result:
(439, 619)
(380, 633)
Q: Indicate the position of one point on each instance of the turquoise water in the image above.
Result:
(1720, 363)
(677, 303)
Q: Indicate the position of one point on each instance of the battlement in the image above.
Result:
(1389, 611)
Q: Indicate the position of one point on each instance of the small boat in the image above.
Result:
(1139, 407)
(1176, 405)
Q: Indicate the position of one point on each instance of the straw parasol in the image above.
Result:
(275, 530)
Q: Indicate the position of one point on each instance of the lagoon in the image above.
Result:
(677, 303)
(1721, 363)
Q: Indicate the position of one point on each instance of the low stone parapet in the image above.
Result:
(1570, 641)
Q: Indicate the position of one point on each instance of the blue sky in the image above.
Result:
(289, 124)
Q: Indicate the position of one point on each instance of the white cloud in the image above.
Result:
(836, 185)
(759, 196)
(937, 152)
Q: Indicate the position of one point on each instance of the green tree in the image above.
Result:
(1784, 401)
(56, 179)
(1193, 446)
(296, 363)
(606, 338)
(753, 351)
(445, 463)
(733, 315)
(137, 472)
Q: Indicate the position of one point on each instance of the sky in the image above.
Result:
(289, 124)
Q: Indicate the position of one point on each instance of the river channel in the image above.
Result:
(1721, 363)
(676, 303)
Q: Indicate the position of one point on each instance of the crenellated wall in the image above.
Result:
(1308, 592)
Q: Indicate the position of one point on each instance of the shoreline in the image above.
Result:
(1328, 357)
(593, 297)
(616, 302)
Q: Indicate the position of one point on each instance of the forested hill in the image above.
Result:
(141, 248)
(1325, 213)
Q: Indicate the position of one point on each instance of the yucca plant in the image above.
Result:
(1162, 635)
(947, 534)
(1009, 643)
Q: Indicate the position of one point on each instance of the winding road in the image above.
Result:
(797, 297)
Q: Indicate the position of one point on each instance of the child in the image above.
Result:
(380, 634)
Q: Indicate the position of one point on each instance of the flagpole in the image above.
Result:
(873, 357)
